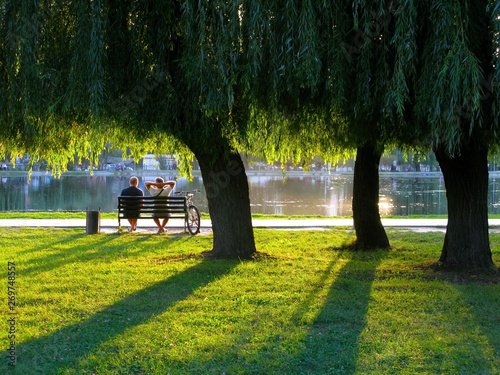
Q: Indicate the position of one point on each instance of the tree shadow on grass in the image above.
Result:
(53, 353)
(481, 295)
(75, 248)
(331, 335)
(72, 237)
(332, 341)
(85, 251)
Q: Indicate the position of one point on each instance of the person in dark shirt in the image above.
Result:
(133, 191)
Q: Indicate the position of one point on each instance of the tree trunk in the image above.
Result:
(370, 232)
(226, 186)
(466, 244)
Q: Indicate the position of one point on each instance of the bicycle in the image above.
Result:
(193, 215)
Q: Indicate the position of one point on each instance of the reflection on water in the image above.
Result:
(328, 195)
(304, 195)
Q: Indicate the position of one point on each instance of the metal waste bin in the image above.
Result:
(93, 221)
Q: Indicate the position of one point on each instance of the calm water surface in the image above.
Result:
(304, 195)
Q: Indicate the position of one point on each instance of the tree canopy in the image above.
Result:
(412, 74)
(89, 71)
(277, 78)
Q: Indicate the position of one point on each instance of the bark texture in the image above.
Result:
(228, 197)
(466, 244)
(370, 232)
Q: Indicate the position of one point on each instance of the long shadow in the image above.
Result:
(84, 252)
(72, 237)
(329, 345)
(483, 302)
(58, 257)
(73, 342)
(336, 331)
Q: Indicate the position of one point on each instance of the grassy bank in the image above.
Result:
(112, 215)
(205, 215)
(148, 304)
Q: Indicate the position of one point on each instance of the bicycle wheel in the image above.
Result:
(193, 222)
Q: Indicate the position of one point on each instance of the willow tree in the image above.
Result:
(146, 74)
(414, 74)
(454, 100)
(329, 74)
(442, 70)
(427, 79)
(366, 31)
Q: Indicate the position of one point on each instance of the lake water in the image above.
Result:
(328, 195)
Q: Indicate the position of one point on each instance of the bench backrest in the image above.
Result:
(152, 205)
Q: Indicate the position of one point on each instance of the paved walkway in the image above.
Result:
(112, 224)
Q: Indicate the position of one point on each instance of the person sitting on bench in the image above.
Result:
(134, 191)
(160, 188)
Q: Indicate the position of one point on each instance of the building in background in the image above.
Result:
(159, 162)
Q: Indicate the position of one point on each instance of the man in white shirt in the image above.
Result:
(160, 188)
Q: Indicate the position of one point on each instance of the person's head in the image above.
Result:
(159, 180)
(133, 181)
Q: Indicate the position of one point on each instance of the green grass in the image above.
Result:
(108, 215)
(148, 304)
(52, 215)
(111, 215)
(204, 215)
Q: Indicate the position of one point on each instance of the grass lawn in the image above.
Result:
(152, 304)
(204, 216)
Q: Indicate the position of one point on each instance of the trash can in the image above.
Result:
(93, 221)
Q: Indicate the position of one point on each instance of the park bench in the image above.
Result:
(160, 207)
